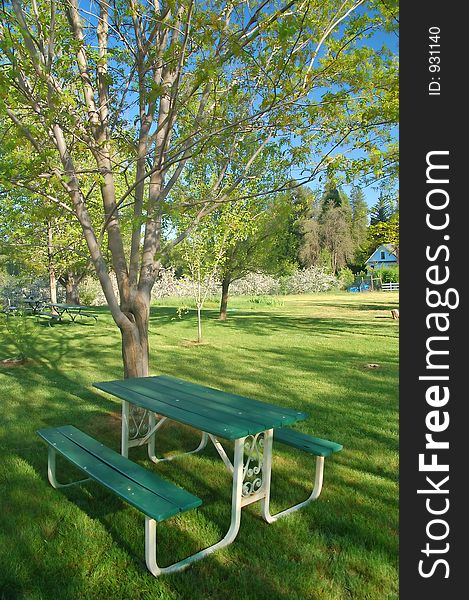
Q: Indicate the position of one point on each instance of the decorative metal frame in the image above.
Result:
(139, 428)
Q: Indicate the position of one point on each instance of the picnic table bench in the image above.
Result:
(157, 498)
(150, 402)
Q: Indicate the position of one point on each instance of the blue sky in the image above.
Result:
(371, 192)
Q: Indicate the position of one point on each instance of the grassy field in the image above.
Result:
(312, 353)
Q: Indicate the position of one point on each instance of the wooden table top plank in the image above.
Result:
(199, 422)
(250, 423)
(256, 413)
(228, 397)
(210, 412)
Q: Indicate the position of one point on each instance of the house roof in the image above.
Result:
(388, 247)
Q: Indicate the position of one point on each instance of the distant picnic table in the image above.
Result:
(35, 304)
(58, 310)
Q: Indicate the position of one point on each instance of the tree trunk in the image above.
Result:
(72, 293)
(51, 269)
(135, 346)
(135, 356)
(52, 285)
(225, 285)
(199, 325)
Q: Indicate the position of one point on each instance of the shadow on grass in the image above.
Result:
(59, 550)
(264, 323)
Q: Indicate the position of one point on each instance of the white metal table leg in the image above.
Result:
(125, 429)
(236, 495)
(154, 426)
(265, 503)
(221, 451)
(149, 437)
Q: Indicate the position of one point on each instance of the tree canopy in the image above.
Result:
(110, 103)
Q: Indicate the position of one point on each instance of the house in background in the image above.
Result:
(384, 256)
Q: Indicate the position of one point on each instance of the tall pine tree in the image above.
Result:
(359, 217)
(382, 211)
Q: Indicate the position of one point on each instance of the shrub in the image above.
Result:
(20, 330)
(388, 274)
(310, 280)
(256, 284)
(91, 292)
(345, 277)
(13, 288)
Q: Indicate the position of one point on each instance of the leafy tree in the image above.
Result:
(84, 84)
(327, 230)
(384, 232)
(265, 247)
(206, 248)
(243, 228)
(310, 250)
(44, 243)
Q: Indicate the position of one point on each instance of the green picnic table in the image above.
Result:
(150, 402)
(72, 310)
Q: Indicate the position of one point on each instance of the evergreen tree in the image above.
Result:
(359, 209)
(333, 196)
(336, 236)
(382, 210)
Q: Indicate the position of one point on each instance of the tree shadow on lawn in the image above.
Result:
(266, 323)
(359, 305)
(356, 523)
(54, 388)
(352, 406)
(58, 551)
(361, 418)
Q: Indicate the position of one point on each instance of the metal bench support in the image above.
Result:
(51, 468)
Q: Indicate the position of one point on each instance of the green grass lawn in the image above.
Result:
(311, 353)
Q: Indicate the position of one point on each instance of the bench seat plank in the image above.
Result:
(146, 491)
(308, 443)
(137, 473)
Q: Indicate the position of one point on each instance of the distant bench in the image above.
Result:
(51, 317)
(157, 498)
